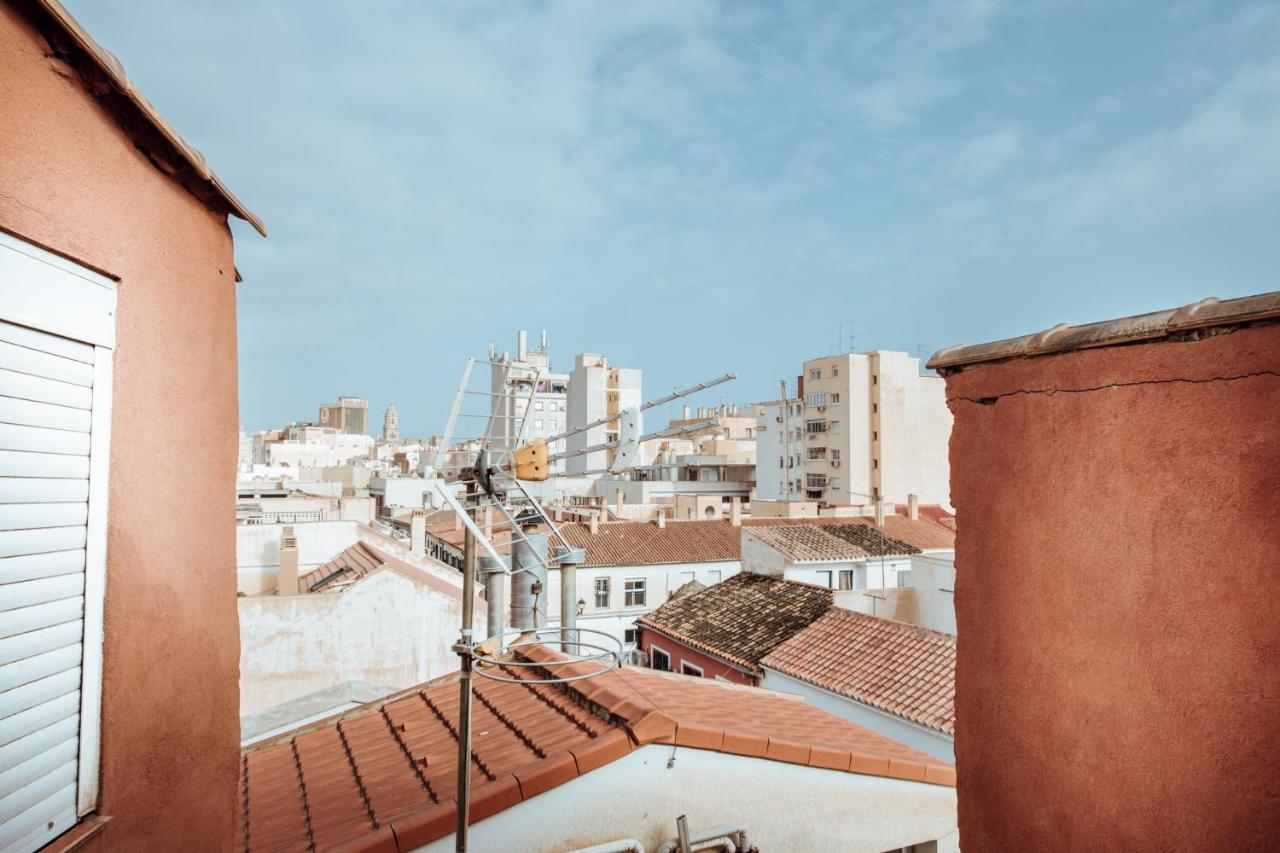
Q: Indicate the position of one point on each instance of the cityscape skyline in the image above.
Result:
(738, 180)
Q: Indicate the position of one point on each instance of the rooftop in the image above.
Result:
(810, 543)
(902, 669)
(383, 777)
(934, 529)
(361, 560)
(1172, 322)
(742, 619)
(638, 543)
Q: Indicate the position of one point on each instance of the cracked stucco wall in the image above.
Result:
(1117, 560)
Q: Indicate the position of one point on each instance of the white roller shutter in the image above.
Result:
(54, 420)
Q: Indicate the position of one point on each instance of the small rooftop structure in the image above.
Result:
(740, 619)
(898, 668)
(359, 561)
(634, 543)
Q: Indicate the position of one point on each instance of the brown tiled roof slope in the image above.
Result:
(934, 529)
(382, 777)
(741, 619)
(899, 668)
(821, 543)
(360, 560)
(639, 543)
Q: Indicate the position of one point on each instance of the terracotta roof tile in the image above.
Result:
(638, 543)
(934, 529)
(740, 619)
(385, 774)
(829, 542)
(899, 668)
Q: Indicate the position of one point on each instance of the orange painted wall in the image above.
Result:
(72, 181)
(1117, 600)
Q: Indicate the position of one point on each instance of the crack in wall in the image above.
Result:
(1049, 392)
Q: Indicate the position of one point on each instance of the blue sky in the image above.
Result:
(696, 187)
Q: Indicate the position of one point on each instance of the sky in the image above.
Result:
(693, 187)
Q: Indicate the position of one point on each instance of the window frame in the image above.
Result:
(596, 590)
(658, 650)
(643, 590)
(697, 670)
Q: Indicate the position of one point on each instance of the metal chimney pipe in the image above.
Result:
(529, 581)
(495, 593)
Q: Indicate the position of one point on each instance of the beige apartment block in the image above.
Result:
(874, 428)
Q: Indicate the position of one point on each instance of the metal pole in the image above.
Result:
(464, 649)
(568, 606)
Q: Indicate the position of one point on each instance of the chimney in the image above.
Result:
(418, 533)
(687, 412)
(287, 579)
(595, 523)
(879, 504)
(620, 500)
(662, 518)
(735, 512)
(522, 345)
(913, 507)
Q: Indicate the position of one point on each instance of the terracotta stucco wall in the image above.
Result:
(73, 181)
(1116, 597)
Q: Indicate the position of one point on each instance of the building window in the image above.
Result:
(816, 426)
(687, 668)
(634, 592)
(835, 399)
(715, 575)
(816, 452)
(537, 424)
(815, 481)
(602, 593)
(629, 636)
(815, 399)
(835, 426)
(875, 435)
(835, 454)
(904, 577)
(780, 462)
(658, 659)
(835, 370)
(816, 373)
(833, 483)
(846, 578)
(537, 407)
(824, 578)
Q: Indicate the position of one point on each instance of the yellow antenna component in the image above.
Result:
(530, 461)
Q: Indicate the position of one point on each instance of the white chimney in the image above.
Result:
(287, 579)
(913, 507)
(418, 532)
(522, 345)
(879, 504)
(620, 500)
(595, 523)
(662, 518)
(687, 413)
(735, 511)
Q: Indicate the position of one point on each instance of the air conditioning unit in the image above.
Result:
(822, 408)
(778, 419)
(835, 463)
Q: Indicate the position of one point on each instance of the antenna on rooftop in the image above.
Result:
(492, 466)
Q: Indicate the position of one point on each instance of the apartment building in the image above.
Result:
(597, 390)
(780, 450)
(349, 415)
(510, 383)
(874, 428)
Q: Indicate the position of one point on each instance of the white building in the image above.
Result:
(365, 614)
(597, 390)
(780, 451)
(511, 379)
(874, 428)
(835, 556)
(893, 678)
(633, 567)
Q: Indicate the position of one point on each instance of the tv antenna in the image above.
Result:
(493, 467)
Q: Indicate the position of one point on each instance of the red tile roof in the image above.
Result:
(934, 529)
(899, 668)
(806, 543)
(383, 777)
(741, 619)
(639, 543)
(362, 559)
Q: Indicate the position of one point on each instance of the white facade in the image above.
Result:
(612, 613)
(387, 629)
(852, 573)
(258, 550)
(919, 737)
(928, 599)
(780, 451)
(595, 391)
(780, 806)
(874, 427)
(317, 447)
(547, 410)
